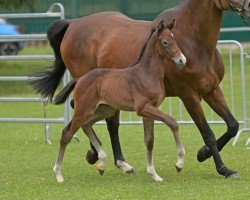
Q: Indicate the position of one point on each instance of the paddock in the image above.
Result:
(26, 161)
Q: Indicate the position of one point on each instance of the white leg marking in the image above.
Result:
(151, 171)
(180, 158)
(125, 167)
(58, 173)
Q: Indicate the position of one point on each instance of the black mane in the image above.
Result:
(144, 47)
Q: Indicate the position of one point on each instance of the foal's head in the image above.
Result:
(167, 46)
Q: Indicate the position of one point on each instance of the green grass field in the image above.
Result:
(26, 161)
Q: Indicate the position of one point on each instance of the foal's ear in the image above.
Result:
(160, 26)
(172, 25)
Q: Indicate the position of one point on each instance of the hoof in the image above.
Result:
(178, 169)
(228, 173)
(202, 154)
(235, 175)
(91, 157)
(101, 172)
(131, 171)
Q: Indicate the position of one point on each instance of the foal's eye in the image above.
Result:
(165, 43)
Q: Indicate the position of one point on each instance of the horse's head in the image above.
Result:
(167, 46)
(239, 6)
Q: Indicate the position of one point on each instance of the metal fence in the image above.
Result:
(233, 85)
(30, 37)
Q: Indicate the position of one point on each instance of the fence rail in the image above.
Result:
(31, 37)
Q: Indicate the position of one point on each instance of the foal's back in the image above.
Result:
(110, 86)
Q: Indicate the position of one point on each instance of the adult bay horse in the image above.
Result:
(104, 40)
(140, 88)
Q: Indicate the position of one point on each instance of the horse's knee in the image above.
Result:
(172, 123)
(233, 128)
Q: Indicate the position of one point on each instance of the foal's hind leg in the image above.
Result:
(66, 137)
(102, 156)
(92, 155)
(154, 113)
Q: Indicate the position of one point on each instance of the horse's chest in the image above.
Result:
(204, 81)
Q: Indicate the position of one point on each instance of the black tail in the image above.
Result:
(65, 92)
(47, 80)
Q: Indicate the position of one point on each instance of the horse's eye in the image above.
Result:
(165, 43)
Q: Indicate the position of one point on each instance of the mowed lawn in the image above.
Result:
(26, 161)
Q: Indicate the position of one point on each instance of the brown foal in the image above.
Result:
(101, 92)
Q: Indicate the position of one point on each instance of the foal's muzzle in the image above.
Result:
(180, 61)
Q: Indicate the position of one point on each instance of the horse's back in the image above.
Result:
(107, 39)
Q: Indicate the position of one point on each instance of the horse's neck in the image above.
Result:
(203, 20)
(151, 63)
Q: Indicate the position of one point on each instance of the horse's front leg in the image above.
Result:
(195, 110)
(113, 126)
(216, 101)
(149, 142)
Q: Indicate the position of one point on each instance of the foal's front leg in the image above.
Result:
(149, 141)
(152, 112)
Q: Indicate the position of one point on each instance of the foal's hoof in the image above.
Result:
(178, 169)
(101, 172)
(131, 171)
(203, 154)
(91, 157)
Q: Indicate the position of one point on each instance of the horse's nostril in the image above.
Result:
(181, 61)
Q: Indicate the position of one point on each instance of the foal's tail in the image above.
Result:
(47, 80)
(65, 92)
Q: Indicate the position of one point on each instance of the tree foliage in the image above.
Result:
(8, 4)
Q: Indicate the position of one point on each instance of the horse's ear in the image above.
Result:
(172, 25)
(160, 26)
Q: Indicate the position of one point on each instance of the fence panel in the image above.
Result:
(28, 37)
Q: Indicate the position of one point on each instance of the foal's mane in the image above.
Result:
(144, 47)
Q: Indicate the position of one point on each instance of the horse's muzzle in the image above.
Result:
(180, 61)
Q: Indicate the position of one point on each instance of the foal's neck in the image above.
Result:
(151, 62)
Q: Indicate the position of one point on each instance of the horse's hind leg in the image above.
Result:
(217, 102)
(113, 125)
(66, 137)
(102, 156)
(149, 141)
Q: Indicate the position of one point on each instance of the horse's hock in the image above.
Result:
(233, 84)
